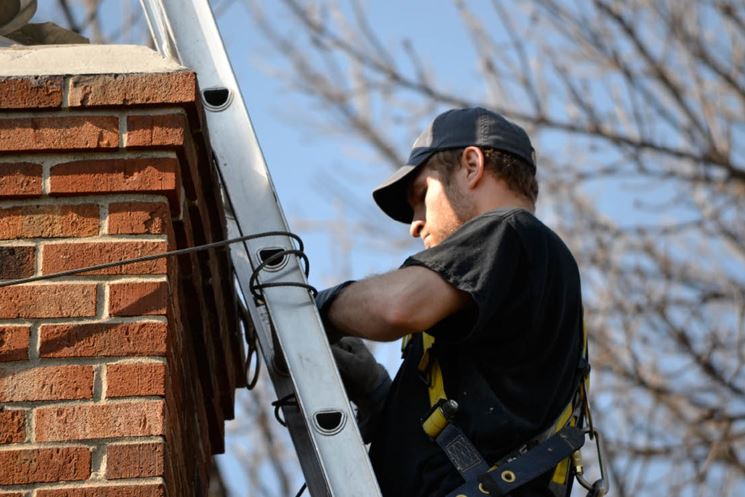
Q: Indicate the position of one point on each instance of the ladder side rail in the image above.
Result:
(159, 29)
(281, 381)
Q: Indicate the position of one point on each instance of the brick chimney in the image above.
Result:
(114, 383)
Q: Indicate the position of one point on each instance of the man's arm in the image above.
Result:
(394, 304)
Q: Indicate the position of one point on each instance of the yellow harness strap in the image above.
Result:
(570, 416)
(429, 367)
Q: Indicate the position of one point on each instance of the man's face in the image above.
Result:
(439, 207)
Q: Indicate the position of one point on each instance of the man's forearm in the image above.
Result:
(389, 306)
(360, 310)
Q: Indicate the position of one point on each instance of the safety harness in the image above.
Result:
(555, 448)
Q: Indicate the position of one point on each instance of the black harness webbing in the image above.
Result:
(532, 464)
(465, 457)
(545, 452)
(550, 450)
(515, 472)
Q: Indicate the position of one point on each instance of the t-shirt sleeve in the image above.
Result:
(480, 258)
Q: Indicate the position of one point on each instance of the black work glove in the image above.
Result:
(324, 299)
(366, 381)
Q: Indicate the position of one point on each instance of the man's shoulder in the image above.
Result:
(524, 221)
(509, 215)
(501, 216)
(517, 220)
(535, 236)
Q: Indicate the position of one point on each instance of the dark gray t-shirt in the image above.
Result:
(510, 361)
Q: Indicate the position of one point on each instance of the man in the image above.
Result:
(495, 290)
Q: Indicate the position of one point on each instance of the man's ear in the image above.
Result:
(473, 163)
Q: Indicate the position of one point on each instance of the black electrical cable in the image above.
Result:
(252, 355)
(254, 285)
(187, 250)
(288, 400)
(302, 489)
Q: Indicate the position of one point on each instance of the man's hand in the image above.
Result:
(359, 370)
(366, 381)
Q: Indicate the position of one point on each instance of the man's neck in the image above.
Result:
(497, 195)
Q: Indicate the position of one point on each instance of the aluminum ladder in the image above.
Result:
(293, 342)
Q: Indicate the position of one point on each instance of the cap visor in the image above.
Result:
(391, 194)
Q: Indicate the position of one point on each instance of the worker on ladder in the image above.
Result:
(490, 313)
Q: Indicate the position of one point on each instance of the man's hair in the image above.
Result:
(518, 174)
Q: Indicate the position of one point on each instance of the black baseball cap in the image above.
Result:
(453, 129)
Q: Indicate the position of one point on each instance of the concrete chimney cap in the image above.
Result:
(15, 13)
(45, 60)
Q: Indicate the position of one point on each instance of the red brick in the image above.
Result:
(20, 179)
(152, 490)
(31, 92)
(61, 300)
(46, 383)
(135, 379)
(22, 466)
(89, 421)
(135, 218)
(58, 257)
(17, 261)
(59, 133)
(138, 299)
(103, 339)
(49, 221)
(156, 130)
(14, 342)
(12, 426)
(134, 175)
(134, 460)
(132, 89)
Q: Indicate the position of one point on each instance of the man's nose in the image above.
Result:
(416, 227)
